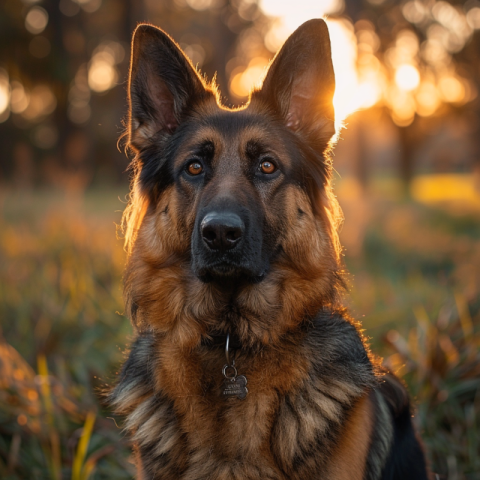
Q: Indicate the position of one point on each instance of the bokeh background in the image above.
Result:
(407, 176)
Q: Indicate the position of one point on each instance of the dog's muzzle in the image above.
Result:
(226, 243)
(222, 231)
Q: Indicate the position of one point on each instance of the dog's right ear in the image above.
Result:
(300, 83)
(163, 85)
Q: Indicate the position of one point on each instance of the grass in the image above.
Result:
(415, 283)
(61, 337)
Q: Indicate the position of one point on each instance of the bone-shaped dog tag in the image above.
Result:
(235, 385)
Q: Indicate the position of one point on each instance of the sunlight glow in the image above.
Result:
(243, 80)
(290, 16)
(369, 92)
(42, 102)
(350, 95)
(294, 14)
(355, 88)
(89, 6)
(414, 11)
(427, 99)
(199, 4)
(451, 89)
(102, 74)
(4, 92)
(407, 77)
(344, 56)
(473, 17)
(402, 105)
(19, 99)
(36, 20)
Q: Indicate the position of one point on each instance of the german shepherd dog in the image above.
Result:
(244, 364)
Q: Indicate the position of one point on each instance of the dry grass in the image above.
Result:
(61, 337)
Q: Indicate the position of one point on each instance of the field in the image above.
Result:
(415, 283)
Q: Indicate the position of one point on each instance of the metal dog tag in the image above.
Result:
(235, 385)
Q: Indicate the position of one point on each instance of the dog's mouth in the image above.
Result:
(227, 273)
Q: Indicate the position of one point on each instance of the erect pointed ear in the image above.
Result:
(300, 82)
(163, 85)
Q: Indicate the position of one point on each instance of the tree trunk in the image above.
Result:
(406, 167)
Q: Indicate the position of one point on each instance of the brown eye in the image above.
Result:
(267, 167)
(194, 168)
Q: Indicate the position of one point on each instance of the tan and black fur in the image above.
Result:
(318, 407)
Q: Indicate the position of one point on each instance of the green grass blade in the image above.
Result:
(78, 461)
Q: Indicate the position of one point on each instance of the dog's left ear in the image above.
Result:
(300, 82)
(163, 86)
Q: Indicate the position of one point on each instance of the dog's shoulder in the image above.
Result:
(135, 380)
(339, 349)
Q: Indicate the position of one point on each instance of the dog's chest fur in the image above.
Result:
(301, 394)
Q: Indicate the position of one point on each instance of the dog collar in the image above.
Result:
(220, 340)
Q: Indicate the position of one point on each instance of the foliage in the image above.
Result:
(440, 361)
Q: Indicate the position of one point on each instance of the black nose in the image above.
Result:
(221, 231)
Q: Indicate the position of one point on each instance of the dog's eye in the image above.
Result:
(267, 167)
(194, 168)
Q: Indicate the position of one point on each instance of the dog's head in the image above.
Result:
(232, 222)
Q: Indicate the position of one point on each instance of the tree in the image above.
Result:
(414, 55)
